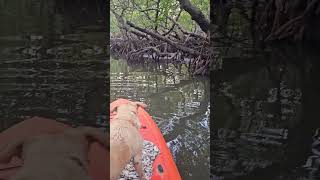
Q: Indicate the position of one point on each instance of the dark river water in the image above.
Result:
(178, 103)
(266, 116)
(53, 63)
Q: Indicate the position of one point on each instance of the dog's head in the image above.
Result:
(130, 110)
(132, 106)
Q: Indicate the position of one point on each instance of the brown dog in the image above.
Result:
(125, 139)
(54, 156)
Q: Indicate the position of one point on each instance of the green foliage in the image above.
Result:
(203, 5)
(153, 14)
(113, 24)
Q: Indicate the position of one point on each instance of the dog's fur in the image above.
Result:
(125, 139)
(54, 156)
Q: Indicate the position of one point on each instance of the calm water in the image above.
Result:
(53, 63)
(266, 116)
(178, 104)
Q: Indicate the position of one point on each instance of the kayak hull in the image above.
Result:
(99, 170)
(164, 167)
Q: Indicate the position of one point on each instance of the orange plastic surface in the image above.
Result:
(152, 133)
(99, 169)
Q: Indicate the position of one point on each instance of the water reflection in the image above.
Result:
(52, 64)
(179, 105)
(265, 117)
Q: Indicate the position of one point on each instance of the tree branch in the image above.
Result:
(195, 14)
(162, 38)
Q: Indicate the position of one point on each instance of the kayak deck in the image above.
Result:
(164, 167)
(99, 170)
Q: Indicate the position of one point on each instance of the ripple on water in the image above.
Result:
(177, 103)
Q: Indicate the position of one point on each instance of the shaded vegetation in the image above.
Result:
(162, 30)
(245, 28)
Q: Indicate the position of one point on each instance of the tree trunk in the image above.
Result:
(195, 14)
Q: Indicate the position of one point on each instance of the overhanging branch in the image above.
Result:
(195, 14)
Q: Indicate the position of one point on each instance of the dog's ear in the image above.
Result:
(11, 149)
(114, 108)
(137, 103)
(137, 122)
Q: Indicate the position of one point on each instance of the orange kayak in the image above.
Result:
(164, 167)
(98, 169)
